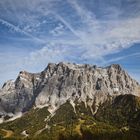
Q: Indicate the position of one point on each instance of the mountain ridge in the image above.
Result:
(70, 101)
(65, 81)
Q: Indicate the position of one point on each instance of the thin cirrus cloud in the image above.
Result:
(73, 30)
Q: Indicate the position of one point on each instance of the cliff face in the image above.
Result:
(61, 82)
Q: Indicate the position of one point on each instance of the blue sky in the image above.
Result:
(36, 32)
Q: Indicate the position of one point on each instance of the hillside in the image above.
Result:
(70, 101)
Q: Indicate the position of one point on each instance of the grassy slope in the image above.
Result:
(125, 110)
(118, 120)
(31, 122)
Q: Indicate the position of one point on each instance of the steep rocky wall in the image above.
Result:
(65, 81)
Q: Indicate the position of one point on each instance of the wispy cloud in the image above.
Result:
(71, 30)
(17, 29)
(67, 24)
(123, 57)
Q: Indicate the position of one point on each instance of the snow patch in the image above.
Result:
(41, 106)
(47, 126)
(1, 120)
(24, 79)
(116, 89)
(24, 133)
(52, 109)
(73, 105)
(37, 78)
(15, 116)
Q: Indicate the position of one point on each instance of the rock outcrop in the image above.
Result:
(61, 82)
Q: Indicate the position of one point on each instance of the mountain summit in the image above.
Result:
(58, 83)
(81, 88)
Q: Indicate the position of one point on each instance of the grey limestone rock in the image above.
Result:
(65, 81)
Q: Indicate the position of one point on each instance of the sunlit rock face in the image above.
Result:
(65, 81)
(84, 83)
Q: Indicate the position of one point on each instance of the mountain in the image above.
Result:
(71, 101)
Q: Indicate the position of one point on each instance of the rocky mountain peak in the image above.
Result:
(7, 85)
(116, 66)
(82, 81)
(25, 75)
(63, 82)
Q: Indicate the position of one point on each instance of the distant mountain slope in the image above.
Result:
(68, 101)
